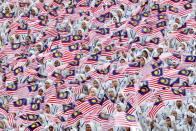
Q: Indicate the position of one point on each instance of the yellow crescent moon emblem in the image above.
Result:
(129, 117)
(166, 81)
(33, 88)
(34, 106)
(175, 91)
(36, 124)
(24, 116)
(180, 90)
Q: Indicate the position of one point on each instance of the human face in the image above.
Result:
(124, 55)
(111, 93)
(182, 46)
(178, 103)
(68, 27)
(175, 27)
(189, 120)
(93, 93)
(175, 114)
(152, 124)
(96, 51)
(40, 119)
(79, 32)
(39, 47)
(33, 12)
(47, 84)
(115, 83)
(108, 57)
(144, 53)
(56, 63)
(17, 36)
(96, 84)
(87, 68)
(7, 10)
(120, 96)
(119, 14)
(142, 61)
(114, 20)
(51, 128)
(47, 109)
(11, 40)
(168, 121)
(119, 109)
(88, 127)
(160, 50)
(83, 25)
(28, 38)
(40, 92)
(122, 61)
(99, 45)
(177, 20)
(191, 108)
(191, 31)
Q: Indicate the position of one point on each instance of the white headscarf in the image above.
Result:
(95, 90)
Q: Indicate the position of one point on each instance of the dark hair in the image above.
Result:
(168, 118)
(122, 7)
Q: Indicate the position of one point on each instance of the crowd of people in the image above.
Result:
(92, 65)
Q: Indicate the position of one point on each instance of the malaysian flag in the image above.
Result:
(22, 29)
(115, 75)
(89, 106)
(68, 109)
(108, 50)
(130, 87)
(156, 107)
(75, 117)
(60, 98)
(186, 9)
(3, 110)
(167, 94)
(143, 94)
(125, 119)
(129, 108)
(10, 118)
(35, 127)
(133, 67)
